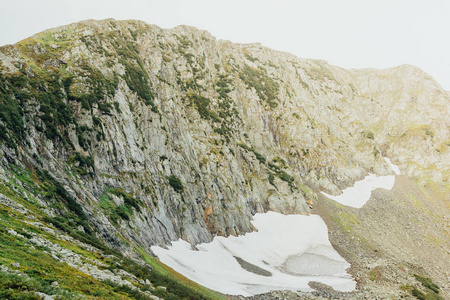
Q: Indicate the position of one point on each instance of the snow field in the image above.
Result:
(286, 253)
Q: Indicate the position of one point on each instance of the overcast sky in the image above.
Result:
(347, 33)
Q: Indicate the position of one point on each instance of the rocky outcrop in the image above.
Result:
(165, 134)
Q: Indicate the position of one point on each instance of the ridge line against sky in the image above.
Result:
(346, 33)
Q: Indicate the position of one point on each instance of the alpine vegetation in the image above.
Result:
(120, 140)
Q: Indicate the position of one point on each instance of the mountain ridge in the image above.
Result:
(143, 135)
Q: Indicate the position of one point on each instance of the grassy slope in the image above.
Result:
(169, 272)
(43, 269)
(39, 265)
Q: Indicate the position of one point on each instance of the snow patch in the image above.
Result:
(393, 167)
(286, 253)
(357, 195)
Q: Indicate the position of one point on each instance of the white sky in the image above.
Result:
(347, 33)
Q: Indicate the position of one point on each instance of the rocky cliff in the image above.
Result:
(139, 135)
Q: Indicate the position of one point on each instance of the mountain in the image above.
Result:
(119, 135)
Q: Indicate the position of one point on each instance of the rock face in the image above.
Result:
(153, 135)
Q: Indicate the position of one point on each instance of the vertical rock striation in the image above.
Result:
(159, 134)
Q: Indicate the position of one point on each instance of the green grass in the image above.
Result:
(430, 295)
(128, 200)
(271, 180)
(201, 103)
(43, 268)
(258, 155)
(266, 88)
(320, 72)
(116, 212)
(13, 286)
(428, 283)
(432, 289)
(175, 183)
(54, 91)
(177, 277)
